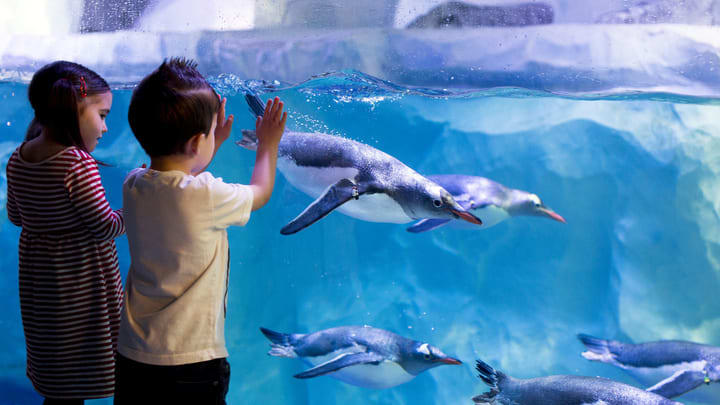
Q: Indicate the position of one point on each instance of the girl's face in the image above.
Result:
(93, 110)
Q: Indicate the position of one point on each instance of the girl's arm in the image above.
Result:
(12, 208)
(88, 196)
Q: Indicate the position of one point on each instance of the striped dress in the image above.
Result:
(70, 286)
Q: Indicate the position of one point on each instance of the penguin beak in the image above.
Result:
(459, 211)
(464, 215)
(552, 214)
(448, 360)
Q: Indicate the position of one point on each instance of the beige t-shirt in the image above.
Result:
(175, 294)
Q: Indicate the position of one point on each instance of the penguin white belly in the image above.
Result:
(650, 376)
(314, 181)
(375, 208)
(384, 375)
(490, 215)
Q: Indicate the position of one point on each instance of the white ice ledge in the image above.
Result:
(560, 58)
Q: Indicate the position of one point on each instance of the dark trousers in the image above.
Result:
(51, 401)
(204, 383)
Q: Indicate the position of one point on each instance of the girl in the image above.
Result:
(70, 287)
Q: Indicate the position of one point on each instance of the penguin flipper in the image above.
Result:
(428, 224)
(342, 361)
(335, 196)
(256, 105)
(679, 383)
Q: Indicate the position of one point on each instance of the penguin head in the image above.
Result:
(422, 356)
(531, 205)
(435, 202)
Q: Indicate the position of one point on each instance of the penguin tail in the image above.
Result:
(280, 343)
(597, 349)
(249, 139)
(491, 377)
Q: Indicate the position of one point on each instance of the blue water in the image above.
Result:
(635, 175)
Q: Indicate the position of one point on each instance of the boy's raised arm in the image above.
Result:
(269, 129)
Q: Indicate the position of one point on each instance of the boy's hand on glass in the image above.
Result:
(270, 126)
(224, 126)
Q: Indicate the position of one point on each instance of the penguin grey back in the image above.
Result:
(652, 354)
(328, 340)
(560, 390)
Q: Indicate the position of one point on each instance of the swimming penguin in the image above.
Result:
(670, 368)
(561, 390)
(356, 179)
(358, 355)
(488, 200)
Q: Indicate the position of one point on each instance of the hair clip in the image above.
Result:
(83, 87)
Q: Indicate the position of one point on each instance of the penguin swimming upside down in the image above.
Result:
(670, 367)
(359, 355)
(356, 179)
(488, 200)
(560, 390)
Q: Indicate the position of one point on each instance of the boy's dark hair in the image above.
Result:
(170, 106)
(54, 93)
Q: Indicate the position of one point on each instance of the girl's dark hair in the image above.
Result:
(55, 91)
(170, 106)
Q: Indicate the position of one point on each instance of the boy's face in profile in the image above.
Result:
(205, 147)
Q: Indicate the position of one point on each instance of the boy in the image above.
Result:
(171, 347)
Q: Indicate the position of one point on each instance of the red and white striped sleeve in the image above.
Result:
(12, 208)
(87, 195)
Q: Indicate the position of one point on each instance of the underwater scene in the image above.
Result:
(507, 202)
(600, 220)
